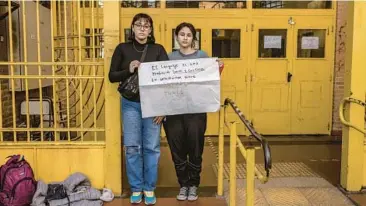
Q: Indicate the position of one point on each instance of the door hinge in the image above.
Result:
(330, 78)
(328, 126)
(251, 77)
(332, 28)
(252, 27)
(164, 26)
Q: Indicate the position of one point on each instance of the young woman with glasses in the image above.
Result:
(141, 136)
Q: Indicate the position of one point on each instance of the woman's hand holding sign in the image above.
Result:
(134, 65)
(221, 65)
(158, 120)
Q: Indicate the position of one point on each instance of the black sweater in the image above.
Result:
(125, 53)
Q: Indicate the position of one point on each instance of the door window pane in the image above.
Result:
(226, 43)
(95, 3)
(315, 4)
(140, 4)
(272, 43)
(197, 44)
(127, 35)
(206, 4)
(311, 43)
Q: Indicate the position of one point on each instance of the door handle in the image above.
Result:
(289, 76)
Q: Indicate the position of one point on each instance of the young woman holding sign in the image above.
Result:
(141, 136)
(185, 132)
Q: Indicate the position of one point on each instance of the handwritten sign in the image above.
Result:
(310, 42)
(179, 87)
(272, 42)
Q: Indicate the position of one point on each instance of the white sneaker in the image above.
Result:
(192, 193)
(183, 194)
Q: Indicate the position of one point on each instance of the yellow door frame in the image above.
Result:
(112, 154)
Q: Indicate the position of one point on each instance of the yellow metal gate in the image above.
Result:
(53, 89)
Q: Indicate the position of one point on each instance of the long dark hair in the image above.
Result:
(151, 37)
(190, 27)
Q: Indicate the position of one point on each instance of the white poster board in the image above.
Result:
(310, 42)
(272, 42)
(179, 87)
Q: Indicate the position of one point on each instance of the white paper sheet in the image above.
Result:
(272, 42)
(310, 42)
(179, 87)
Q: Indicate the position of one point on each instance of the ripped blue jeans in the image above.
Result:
(141, 139)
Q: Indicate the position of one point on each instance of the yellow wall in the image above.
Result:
(55, 163)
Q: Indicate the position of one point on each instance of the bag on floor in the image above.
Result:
(56, 192)
(17, 183)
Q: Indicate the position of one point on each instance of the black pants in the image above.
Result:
(185, 134)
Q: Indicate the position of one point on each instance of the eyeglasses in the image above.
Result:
(139, 26)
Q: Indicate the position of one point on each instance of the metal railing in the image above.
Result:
(247, 151)
(342, 109)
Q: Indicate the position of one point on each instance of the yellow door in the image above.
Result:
(270, 88)
(226, 39)
(312, 75)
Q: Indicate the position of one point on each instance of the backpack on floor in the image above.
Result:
(17, 183)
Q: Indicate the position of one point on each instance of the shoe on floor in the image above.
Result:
(192, 193)
(136, 197)
(150, 198)
(183, 194)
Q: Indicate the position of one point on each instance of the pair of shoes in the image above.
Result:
(136, 198)
(188, 193)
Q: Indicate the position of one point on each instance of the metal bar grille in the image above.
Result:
(52, 83)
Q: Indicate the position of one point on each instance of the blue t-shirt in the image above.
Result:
(177, 55)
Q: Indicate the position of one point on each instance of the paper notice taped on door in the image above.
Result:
(272, 42)
(310, 42)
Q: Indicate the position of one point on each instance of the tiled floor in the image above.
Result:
(291, 191)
